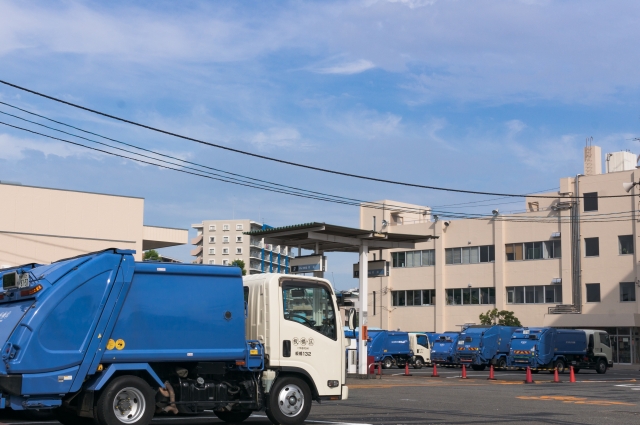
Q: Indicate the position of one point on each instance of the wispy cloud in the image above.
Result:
(348, 68)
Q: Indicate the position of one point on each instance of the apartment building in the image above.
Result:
(222, 241)
(41, 225)
(564, 261)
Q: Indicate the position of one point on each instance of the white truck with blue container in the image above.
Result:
(101, 338)
(482, 346)
(551, 348)
(390, 348)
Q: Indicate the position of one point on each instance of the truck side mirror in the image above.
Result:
(351, 319)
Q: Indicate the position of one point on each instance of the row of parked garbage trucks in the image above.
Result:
(540, 348)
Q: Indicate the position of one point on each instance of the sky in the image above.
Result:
(495, 96)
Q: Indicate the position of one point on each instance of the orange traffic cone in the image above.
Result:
(406, 369)
(572, 375)
(556, 377)
(464, 372)
(435, 372)
(528, 379)
(491, 375)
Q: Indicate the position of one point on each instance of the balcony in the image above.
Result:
(196, 251)
(255, 253)
(198, 260)
(256, 243)
(197, 240)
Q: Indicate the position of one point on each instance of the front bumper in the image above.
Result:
(10, 384)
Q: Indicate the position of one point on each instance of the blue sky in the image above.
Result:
(481, 95)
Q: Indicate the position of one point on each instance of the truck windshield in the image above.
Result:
(311, 306)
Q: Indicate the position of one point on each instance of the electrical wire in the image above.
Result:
(385, 205)
(295, 164)
(557, 219)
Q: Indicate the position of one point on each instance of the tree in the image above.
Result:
(503, 317)
(239, 263)
(152, 255)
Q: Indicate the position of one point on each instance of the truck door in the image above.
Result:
(422, 346)
(603, 345)
(309, 332)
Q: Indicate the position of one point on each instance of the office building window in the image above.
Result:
(212, 227)
(533, 250)
(238, 226)
(467, 296)
(470, 255)
(225, 227)
(593, 292)
(549, 294)
(627, 291)
(416, 297)
(591, 247)
(212, 239)
(212, 251)
(225, 262)
(422, 258)
(225, 251)
(591, 201)
(625, 244)
(239, 239)
(212, 261)
(238, 250)
(225, 239)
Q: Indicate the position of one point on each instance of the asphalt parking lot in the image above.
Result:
(612, 398)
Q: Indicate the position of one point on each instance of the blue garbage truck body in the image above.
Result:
(443, 348)
(77, 329)
(480, 346)
(391, 348)
(551, 348)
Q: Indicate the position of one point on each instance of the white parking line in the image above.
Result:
(319, 422)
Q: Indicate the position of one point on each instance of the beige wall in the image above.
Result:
(43, 225)
(609, 268)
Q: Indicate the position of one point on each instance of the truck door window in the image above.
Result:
(422, 340)
(604, 339)
(311, 306)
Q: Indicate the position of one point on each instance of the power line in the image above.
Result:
(557, 219)
(295, 164)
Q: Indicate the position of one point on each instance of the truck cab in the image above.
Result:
(297, 320)
(442, 348)
(419, 344)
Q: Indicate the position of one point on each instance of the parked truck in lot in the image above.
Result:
(481, 346)
(390, 348)
(102, 338)
(419, 345)
(550, 348)
(443, 348)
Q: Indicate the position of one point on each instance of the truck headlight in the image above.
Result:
(332, 384)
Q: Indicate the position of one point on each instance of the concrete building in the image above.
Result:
(42, 225)
(222, 241)
(565, 261)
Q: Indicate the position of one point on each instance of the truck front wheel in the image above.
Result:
(127, 400)
(601, 367)
(234, 416)
(387, 363)
(418, 363)
(289, 401)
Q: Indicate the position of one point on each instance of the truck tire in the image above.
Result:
(560, 366)
(601, 366)
(69, 417)
(127, 400)
(289, 401)
(418, 363)
(501, 364)
(234, 416)
(478, 367)
(387, 363)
